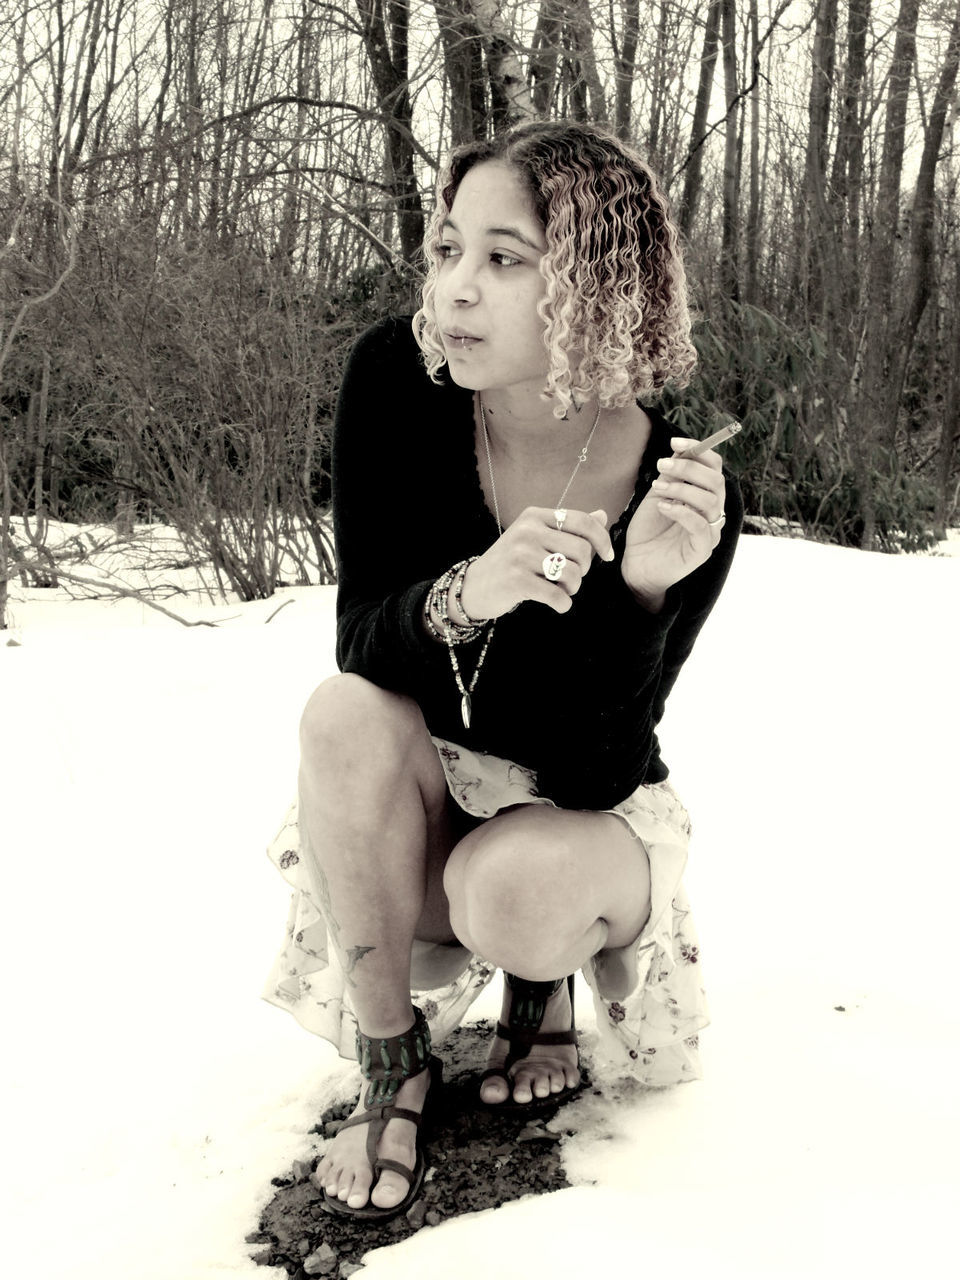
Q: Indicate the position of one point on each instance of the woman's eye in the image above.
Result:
(505, 260)
(447, 250)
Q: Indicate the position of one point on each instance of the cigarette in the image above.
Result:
(718, 437)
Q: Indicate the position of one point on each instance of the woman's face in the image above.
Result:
(490, 283)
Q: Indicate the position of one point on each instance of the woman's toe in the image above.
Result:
(389, 1191)
(356, 1193)
(522, 1092)
(494, 1090)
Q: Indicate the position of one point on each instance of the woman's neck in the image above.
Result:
(518, 424)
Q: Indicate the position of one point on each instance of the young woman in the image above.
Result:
(526, 558)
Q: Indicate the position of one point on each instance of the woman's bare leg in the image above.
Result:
(375, 823)
(538, 891)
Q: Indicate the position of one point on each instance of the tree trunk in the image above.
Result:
(385, 38)
(811, 241)
(6, 533)
(625, 62)
(876, 416)
(950, 428)
(752, 241)
(846, 182)
(729, 250)
(463, 62)
(510, 99)
(545, 55)
(289, 219)
(694, 167)
(580, 25)
(657, 88)
(922, 280)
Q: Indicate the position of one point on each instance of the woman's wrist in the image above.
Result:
(653, 603)
(445, 617)
(649, 597)
(456, 608)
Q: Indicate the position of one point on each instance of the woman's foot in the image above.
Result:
(546, 1069)
(345, 1172)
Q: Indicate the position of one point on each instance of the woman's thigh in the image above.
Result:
(372, 788)
(444, 833)
(535, 870)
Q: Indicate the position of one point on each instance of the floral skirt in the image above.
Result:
(648, 996)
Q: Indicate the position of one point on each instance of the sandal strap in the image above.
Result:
(384, 1113)
(394, 1166)
(517, 1035)
(528, 1006)
(378, 1118)
(386, 1061)
(499, 1073)
(528, 1002)
(365, 1117)
(404, 1113)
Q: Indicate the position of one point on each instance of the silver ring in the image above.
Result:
(553, 565)
(560, 516)
(719, 522)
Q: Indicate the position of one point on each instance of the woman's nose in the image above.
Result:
(461, 280)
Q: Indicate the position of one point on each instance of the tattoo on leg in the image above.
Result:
(326, 905)
(354, 956)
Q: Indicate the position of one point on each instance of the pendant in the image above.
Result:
(465, 710)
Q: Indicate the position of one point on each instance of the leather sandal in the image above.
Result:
(386, 1064)
(527, 1008)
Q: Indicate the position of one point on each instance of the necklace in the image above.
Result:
(456, 575)
(581, 459)
(468, 630)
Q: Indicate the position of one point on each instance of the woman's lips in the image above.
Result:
(462, 341)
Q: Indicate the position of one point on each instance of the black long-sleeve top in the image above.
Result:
(575, 696)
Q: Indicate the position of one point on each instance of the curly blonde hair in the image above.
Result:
(616, 295)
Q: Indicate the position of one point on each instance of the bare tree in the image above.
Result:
(463, 62)
(510, 100)
(812, 227)
(11, 323)
(693, 175)
(625, 64)
(922, 274)
(876, 417)
(729, 252)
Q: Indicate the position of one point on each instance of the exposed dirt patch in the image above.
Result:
(483, 1159)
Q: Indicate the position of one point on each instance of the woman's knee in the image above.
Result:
(518, 894)
(349, 719)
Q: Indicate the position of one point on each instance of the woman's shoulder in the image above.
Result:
(387, 364)
(387, 355)
(661, 432)
(389, 339)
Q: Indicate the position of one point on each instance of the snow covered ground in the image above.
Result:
(150, 1095)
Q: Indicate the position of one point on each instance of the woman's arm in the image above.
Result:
(627, 670)
(698, 594)
(386, 524)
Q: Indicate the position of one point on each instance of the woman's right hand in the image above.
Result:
(511, 571)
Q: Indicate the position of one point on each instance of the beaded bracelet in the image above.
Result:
(453, 632)
(437, 602)
(462, 568)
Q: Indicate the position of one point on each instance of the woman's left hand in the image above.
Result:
(676, 526)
